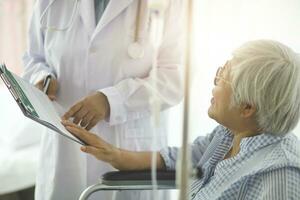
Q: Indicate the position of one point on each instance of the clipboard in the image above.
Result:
(17, 88)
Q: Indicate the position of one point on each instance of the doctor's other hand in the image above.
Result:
(89, 111)
(52, 89)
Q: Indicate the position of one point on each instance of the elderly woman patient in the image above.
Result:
(252, 154)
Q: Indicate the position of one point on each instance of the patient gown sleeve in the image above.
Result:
(199, 146)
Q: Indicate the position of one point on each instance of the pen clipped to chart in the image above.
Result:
(46, 83)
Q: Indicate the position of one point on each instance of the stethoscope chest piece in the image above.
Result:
(136, 51)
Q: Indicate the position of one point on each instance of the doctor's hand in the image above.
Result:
(94, 144)
(52, 90)
(89, 111)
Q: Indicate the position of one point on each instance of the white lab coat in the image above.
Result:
(88, 58)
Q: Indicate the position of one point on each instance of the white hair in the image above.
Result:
(266, 74)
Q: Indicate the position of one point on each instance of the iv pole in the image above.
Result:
(185, 158)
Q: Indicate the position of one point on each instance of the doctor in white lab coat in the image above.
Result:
(89, 62)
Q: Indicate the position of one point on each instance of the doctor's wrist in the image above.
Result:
(103, 101)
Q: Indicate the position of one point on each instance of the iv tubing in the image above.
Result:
(156, 14)
(185, 154)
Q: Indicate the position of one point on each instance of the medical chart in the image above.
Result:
(35, 104)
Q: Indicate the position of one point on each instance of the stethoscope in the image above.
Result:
(135, 50)
(52, 28)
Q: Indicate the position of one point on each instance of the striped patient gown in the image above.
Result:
(267, 167)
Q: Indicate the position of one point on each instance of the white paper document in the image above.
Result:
(34, 103)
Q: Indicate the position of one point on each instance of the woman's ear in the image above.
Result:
(247, 110)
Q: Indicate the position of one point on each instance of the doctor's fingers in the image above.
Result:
(52, 90)
(74, 109)
(68, 123)
(39, 85)
(86, 119)
(80, 114)
(92, 123)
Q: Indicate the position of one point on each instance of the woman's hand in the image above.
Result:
(52, 90)
(95, 145)
(119, 158)
(89, 111)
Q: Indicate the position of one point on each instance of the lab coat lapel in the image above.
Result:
(87, 13)
(114, 8)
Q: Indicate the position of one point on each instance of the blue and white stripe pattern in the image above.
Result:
(267, 167)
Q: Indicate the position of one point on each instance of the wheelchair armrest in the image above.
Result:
(138, 178)
(131, 180)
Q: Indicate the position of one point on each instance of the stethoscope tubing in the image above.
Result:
(135, 49)
(68, 26)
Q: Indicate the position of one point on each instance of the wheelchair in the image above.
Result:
(131, 180)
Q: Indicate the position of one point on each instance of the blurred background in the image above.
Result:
(219, 27)
(19, 138)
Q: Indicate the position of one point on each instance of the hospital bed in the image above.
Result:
(131, 180)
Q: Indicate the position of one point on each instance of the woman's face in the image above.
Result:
(220, 109)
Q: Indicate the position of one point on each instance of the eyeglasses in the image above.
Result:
(219, 76)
